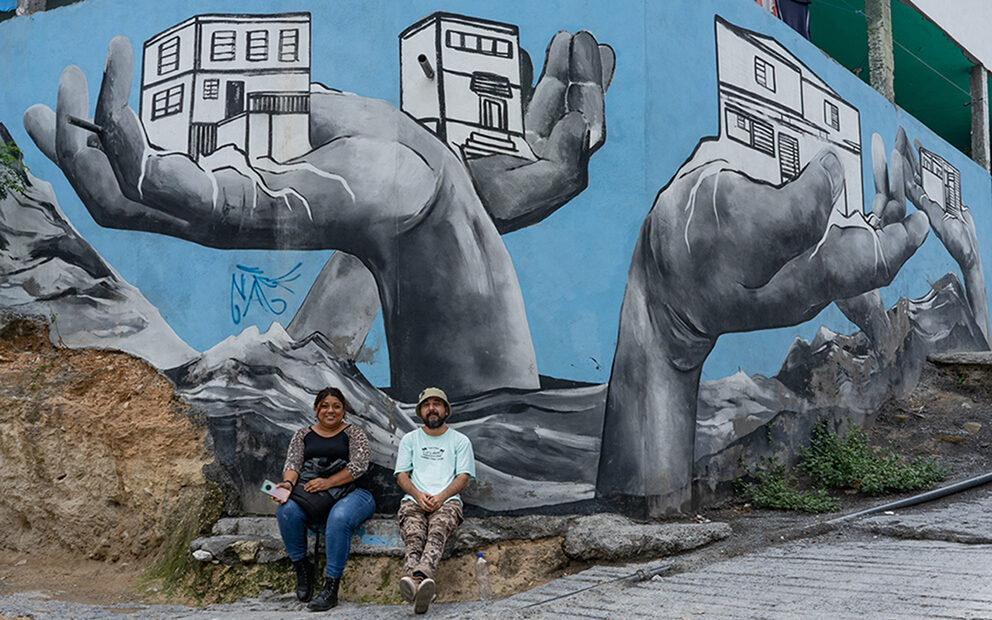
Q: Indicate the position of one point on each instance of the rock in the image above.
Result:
(964, 357)
(238, 549)
(972, 427)
(967, 521)
(609, 537)
(202, 555)
(951, 438)
(475, 533)
(378, 537)
(247, 550)
(251, 526)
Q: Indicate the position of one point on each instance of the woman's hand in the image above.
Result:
(283, 485)
(317, 484)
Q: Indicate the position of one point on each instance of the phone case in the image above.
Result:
(269, 488)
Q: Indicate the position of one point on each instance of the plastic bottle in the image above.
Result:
(482, 576)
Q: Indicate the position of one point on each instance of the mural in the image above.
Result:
(232, 142)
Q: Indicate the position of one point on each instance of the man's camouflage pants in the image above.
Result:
(424, 534)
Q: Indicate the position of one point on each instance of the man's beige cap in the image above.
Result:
(432, 392)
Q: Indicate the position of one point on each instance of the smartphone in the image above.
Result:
(270, 488)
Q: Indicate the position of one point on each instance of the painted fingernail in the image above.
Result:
(835, 172)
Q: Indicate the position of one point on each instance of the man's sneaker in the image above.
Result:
(408, 588)
(425, 594)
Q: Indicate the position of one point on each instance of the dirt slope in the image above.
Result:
(100, 460)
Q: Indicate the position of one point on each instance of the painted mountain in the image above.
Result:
(257, 389)
(47, 269)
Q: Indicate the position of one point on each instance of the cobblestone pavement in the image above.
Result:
(855, 572)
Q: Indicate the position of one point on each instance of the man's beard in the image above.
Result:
(433, 422)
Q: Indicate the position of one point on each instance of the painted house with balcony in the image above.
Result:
(460, 78)
(778, 115)
(241, 80)
(941, 182)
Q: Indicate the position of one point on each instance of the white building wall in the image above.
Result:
(803, 117)
(169, 132)
(186, 33)
(290, 136)
(233, 131)
(462, 105)
(467, 62)
(239, 62)
(736, 67)
(419, 94)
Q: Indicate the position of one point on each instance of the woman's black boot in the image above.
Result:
(328, 597)
(304, 579)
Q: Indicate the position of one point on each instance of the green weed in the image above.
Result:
(12, 176)
(848, 461)
(833, 461)
(774, 485)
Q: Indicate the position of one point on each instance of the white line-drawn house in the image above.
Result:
(242, 80)
(778, 114)
(941, 182)
(460, 78)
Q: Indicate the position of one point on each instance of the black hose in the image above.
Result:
(957, 487)
(641, 574)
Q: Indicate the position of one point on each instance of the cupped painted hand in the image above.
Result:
(725, 253)
(370, 165)
(565, 123)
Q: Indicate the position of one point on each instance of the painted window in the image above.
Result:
(831, 115)
(211, 88)
(289, 45)
(168, 56)
(222, 45)
(258, 45)
(788, 156)
(764, 73)
(167, 102)
(479, 44)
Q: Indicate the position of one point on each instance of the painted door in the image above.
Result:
(235, 98)
(493, 113)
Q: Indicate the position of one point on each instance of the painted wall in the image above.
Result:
(683, 202)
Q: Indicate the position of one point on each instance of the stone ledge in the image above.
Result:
(979, 358)
(606, 537)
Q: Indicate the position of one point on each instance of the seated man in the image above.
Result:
(433, 465)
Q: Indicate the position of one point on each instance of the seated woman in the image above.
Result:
(330, 438)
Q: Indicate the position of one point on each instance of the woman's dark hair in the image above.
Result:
(331, 391)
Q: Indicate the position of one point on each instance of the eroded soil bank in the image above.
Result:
(103, 467)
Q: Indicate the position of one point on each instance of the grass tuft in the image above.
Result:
(833, 461)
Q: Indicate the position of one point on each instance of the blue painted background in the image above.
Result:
(572, 267)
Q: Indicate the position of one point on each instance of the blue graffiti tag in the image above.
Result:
(242, 294)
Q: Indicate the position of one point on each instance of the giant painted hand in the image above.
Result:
(718, 253)
(376, 185)
(565, 124)
(954, 227)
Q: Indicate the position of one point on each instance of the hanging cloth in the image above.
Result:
(770, 5)
(796, 14)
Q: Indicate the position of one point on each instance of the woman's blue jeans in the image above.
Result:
(346, 515)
